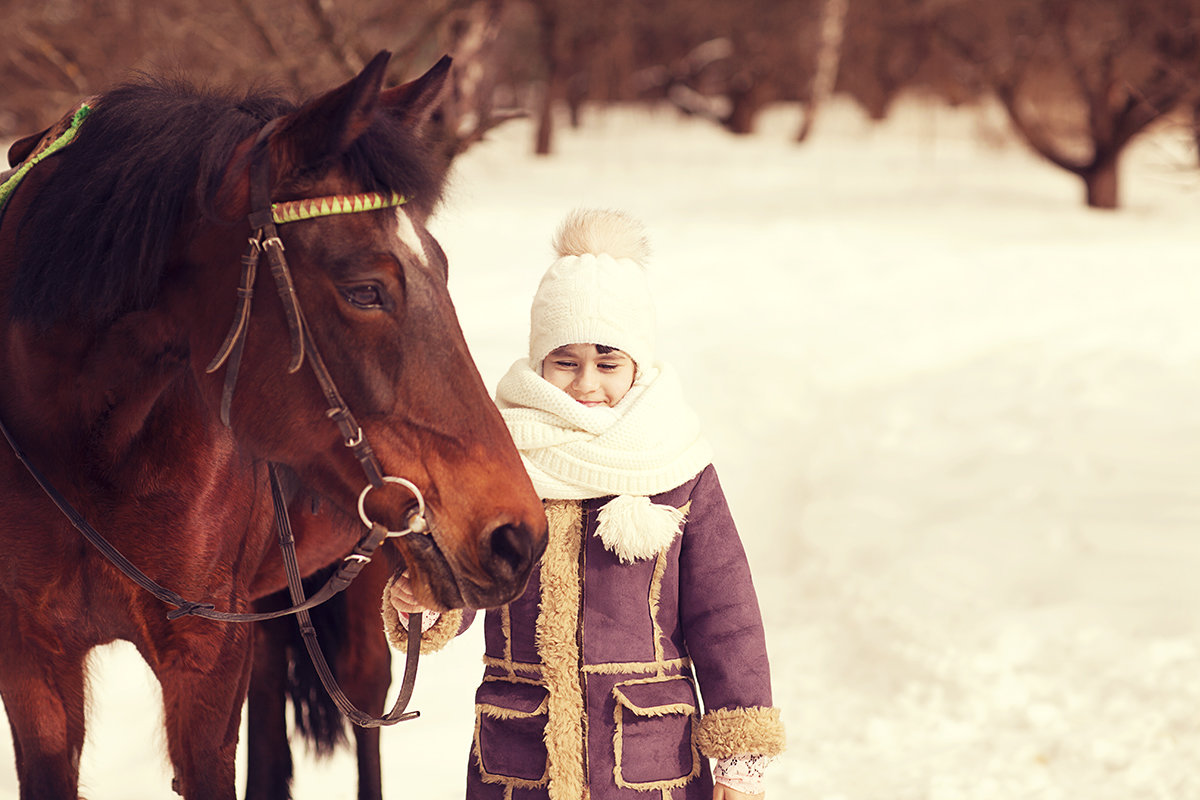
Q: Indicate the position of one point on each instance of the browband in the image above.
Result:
(294, 210)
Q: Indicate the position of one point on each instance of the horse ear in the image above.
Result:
(414, 103)
(22, 148)
(327, 125)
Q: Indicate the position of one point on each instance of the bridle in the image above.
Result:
(263, 218)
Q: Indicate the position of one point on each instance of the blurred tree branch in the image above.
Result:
(336, 38)
(1114, 67)
(1079, 80)
(263, 34)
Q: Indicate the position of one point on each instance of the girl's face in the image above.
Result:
(591, 377)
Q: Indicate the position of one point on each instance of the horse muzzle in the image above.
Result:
(503, 557)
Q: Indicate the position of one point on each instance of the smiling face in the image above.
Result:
(591, 377)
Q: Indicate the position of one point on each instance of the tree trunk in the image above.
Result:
(577, 92)
(543, 146)
(745, 99)
(1102, 185)
(829, 56)
(1196, 127)
(548, 37)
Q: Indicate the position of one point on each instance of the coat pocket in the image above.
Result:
(510, 725)
(655, 733)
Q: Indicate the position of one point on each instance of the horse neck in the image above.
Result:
(97, 391)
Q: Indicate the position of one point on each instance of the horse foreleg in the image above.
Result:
(370, 775)
(364, 667)
(269, 754)
(204, 674)
(43, 694)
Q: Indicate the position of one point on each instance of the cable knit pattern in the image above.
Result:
(597, 291)
(648, 443)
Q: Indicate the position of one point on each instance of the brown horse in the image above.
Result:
(119, 275)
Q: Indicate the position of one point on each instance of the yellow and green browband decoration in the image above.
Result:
(294, 210)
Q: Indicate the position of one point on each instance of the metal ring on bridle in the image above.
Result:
(416, 521)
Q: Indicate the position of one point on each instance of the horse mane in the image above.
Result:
(96, 239)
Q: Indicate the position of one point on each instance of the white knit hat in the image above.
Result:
(597, 291)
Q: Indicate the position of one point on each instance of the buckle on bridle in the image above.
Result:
(416, 521)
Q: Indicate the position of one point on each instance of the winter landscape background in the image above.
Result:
(957, 416)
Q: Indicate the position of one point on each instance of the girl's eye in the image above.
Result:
(565, 364)
(365, 296)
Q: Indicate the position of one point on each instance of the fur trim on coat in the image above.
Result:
(593, 677)
(447, 626)
(726, 732)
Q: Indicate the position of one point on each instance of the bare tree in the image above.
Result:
(727, 61)
(552, 31)
(1196, 125)
(829, 55)
(888, 50)
(1081, 78)
(472, 36)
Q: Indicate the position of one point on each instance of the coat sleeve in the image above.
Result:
(449, 624)
(723, 630)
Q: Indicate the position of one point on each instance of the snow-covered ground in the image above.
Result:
(958, 419)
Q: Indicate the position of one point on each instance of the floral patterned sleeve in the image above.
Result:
(743, 772)
(428, 619)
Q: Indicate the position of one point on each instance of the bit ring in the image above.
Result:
(416, 521)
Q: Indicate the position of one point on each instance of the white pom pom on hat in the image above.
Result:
(597, 291)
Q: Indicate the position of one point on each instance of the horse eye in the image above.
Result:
(366, 295)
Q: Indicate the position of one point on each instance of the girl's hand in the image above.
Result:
(402, 598)
(723, 792)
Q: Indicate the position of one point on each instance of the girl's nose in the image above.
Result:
(585, 381)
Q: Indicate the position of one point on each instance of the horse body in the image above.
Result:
(104, 350)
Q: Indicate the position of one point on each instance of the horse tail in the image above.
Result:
(317, 717)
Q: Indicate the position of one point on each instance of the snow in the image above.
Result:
(957, 415)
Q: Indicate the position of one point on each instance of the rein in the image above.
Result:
(263, 220)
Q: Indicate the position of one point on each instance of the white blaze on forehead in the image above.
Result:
(409, 237)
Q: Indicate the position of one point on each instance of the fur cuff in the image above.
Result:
(726, 732)
(438, 636)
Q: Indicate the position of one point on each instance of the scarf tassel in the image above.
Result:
(633, 528)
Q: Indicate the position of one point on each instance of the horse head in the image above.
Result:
(370, 290)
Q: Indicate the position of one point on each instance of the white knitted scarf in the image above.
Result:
(648, 443)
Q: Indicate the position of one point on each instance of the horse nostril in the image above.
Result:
(510, 551)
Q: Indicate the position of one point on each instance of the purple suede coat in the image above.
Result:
(632, 669)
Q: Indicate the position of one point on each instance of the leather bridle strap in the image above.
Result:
(266, 239)
(309, 634)
(347, 571)
(262, 222)
(231, 349)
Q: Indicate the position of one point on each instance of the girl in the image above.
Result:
(590, 682)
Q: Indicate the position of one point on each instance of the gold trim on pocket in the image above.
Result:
(682, 709)
(502, 713)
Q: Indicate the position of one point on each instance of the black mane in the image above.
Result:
(95, 240)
